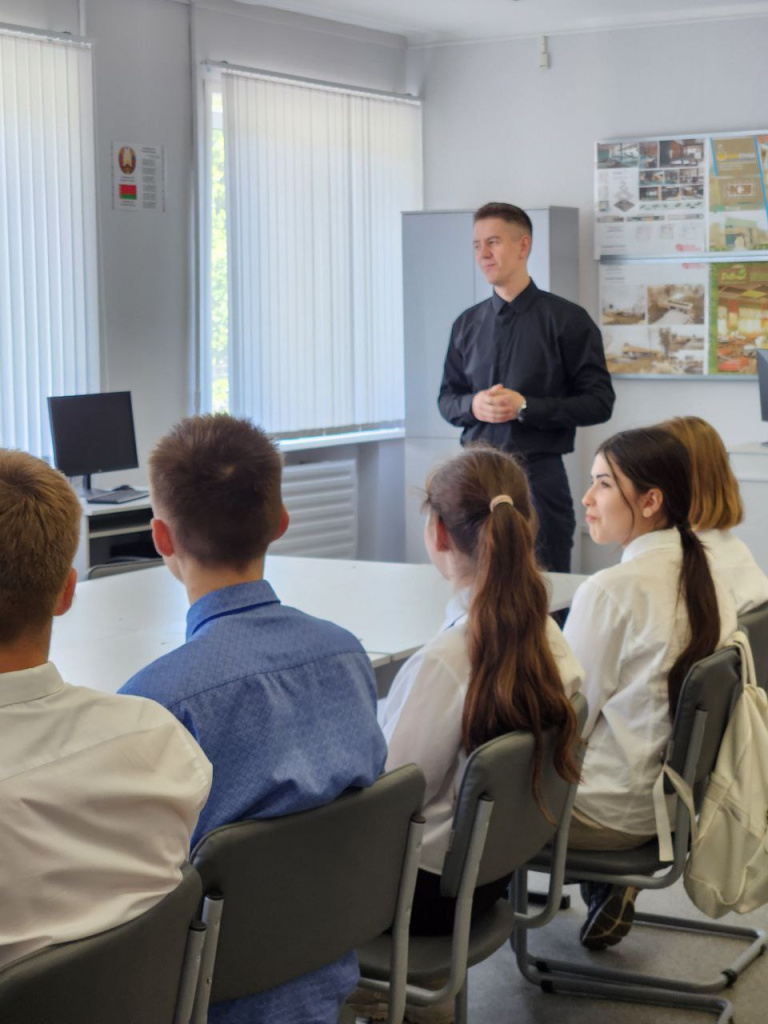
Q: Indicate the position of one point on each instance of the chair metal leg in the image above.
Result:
(626, 986)
(190, 972)
(213, 906)
(644, 995)
(460, 1011)
(539, 899)
(725, 978)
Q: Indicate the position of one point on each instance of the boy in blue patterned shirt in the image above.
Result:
(283, 704)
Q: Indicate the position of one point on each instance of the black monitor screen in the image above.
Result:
(93, 433)
(762, 378)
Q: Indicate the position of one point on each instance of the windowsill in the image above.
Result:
(302, 444)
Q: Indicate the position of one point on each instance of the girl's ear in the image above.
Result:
(651, 503)
(442, 541)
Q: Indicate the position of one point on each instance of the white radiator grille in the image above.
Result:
(321, 498)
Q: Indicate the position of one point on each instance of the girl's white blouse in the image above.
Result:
(421, 718)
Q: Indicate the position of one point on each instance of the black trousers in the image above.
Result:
(554, 507)
(432, 912)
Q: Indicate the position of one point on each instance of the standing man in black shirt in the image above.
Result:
(523, 370)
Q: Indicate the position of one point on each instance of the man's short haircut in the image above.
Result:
(217, 481)
(506, 211)
(39, 533)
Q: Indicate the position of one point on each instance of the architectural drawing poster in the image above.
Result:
(684, 319)
(650, 197)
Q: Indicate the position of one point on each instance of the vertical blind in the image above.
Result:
(317, 179)
(48, 275)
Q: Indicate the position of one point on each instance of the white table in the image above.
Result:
(118, 624)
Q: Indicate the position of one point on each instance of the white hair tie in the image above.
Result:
(501, 499)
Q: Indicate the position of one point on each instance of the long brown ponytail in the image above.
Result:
(514, 681)
(654, 458)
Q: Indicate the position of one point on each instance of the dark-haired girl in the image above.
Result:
(637, 628)
(499, 663)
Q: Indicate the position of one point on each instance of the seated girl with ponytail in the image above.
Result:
(499, 663)
(637, 629)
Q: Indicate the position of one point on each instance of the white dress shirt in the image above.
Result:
(627, 627)
(734, 566)
(99, 795)
(421, 718)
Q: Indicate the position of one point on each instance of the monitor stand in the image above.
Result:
(115, 496)
(86, 491)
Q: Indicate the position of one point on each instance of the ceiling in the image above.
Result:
(455, 21)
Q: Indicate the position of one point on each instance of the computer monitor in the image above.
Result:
(92, 434)
(762, 381)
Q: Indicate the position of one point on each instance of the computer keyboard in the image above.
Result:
(118, 496)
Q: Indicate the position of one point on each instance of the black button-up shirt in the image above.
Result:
(545, 347)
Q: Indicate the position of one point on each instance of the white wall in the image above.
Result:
(496, 127)
(274, 40)
(49, 15)
(144, 93)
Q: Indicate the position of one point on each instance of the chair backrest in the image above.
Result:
(128, 974)
(502, 770)
(712, 685)
(302, 890)
(755, 625)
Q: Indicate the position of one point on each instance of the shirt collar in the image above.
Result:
(457, 609)
(520, 303)
(29, 684)
(658, 540)
(228, 601)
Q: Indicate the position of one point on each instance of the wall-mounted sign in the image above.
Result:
(138, 177)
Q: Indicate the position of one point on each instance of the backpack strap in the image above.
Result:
(748, 672)
(663, 826)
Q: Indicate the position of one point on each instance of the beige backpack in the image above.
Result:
(727, 868)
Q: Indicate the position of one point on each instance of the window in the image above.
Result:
(305, 187)
(48, 277)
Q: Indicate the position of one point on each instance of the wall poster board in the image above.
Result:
(680, 226)
(698, 319)
(670, 196)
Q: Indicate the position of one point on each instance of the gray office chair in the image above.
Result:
(286, 896)
(145, 970)
(120, 565)
(709, 693)
(497, 828)
(755, 624)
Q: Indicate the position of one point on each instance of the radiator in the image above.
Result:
(321, 498)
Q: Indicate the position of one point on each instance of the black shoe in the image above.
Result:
(610, 915)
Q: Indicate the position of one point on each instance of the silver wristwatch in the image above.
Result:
(521, 412)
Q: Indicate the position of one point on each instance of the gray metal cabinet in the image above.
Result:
(440, 280)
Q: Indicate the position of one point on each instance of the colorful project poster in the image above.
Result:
(738, 317)
(138, 177)
(653, 318)
(650, 197)
(738, 203)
